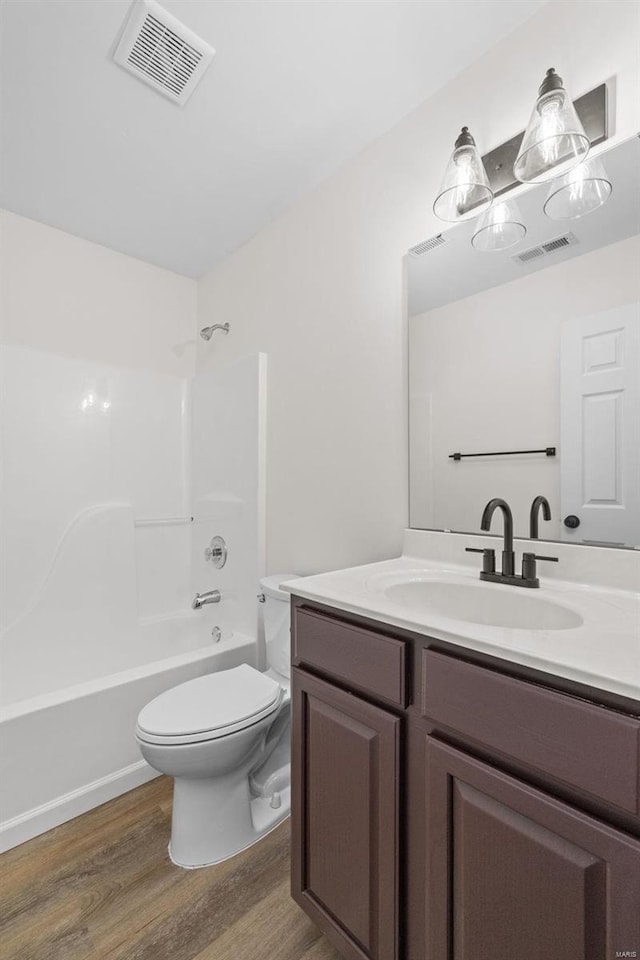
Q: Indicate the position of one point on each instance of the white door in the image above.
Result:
(600, 427)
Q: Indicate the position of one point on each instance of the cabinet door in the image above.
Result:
(512, 872)
(345, 817)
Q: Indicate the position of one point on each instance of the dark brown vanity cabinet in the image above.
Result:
(451, 807)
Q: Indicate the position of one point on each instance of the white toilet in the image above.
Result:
(225, 739)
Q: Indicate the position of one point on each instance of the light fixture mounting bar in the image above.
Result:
(592, 110)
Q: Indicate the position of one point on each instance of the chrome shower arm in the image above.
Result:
(207, 332)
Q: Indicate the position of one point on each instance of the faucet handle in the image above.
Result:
(529, 566)
(488, 557)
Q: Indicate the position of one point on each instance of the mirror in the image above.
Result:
(524, 369)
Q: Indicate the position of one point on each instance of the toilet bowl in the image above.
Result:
(224, 738)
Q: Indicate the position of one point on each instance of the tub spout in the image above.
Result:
(201, 599)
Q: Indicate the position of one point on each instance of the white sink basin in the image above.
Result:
(499, 606)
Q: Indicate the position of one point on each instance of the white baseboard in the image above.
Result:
(40, 819)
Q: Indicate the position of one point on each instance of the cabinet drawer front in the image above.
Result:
(582, 745)
(365, 660)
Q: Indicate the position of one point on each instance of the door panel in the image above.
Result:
(513, 872)
(600, 426)
(345, 817)
(493, 840)
(341, 753)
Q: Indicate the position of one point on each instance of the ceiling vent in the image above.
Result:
(161, 51)
(550, 246)
(427, 245)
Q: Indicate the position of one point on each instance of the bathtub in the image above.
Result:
(66, 750)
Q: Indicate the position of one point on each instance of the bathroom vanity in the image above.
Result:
(462, 790)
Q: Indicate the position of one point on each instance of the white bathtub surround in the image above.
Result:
(76, 435)
(82, 621)
(597, 644)
(163, 567)
(228, 475)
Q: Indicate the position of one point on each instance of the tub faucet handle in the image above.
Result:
(216, 553)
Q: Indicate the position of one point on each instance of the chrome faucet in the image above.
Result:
(202, 599)
(534, 515)
(528, 578)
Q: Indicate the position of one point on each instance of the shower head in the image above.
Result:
(207, 332)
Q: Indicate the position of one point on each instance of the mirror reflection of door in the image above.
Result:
(600, 427)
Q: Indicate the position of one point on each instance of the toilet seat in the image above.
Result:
(209, 707)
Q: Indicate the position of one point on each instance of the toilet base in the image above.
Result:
(213, 820)
(263, 833)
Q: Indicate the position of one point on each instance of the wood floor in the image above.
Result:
(102, 887)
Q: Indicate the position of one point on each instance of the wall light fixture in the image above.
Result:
(555, 140)
(499, 228)
(579, 192)
(465, 191)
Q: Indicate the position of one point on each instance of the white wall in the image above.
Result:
(485, 375)
(321, 289)
(64, 295)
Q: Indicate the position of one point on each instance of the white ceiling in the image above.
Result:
(295, 89)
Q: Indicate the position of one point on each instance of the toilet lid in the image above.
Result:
(209, 707)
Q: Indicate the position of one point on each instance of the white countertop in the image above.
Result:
(603, 652)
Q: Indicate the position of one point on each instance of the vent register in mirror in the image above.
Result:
(533, 347)
(532, 253)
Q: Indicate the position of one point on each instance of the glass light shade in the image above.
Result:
(579, 192)
(555, 140)
(465, 191)
(499, 228)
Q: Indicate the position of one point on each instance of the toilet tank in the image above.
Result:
(277, 633)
